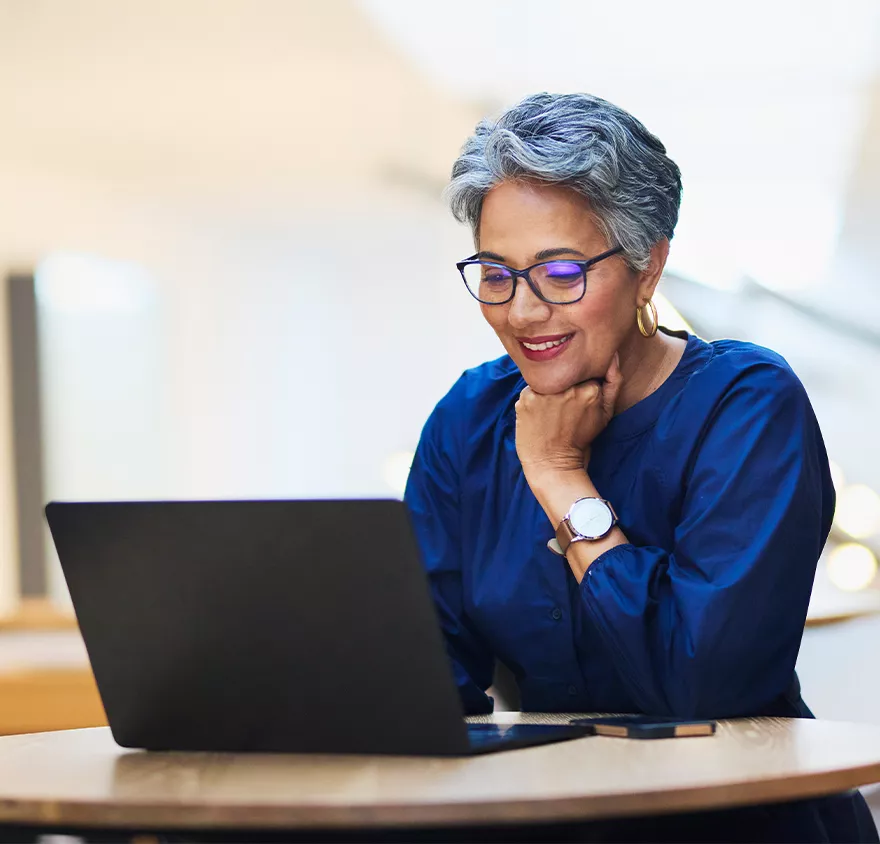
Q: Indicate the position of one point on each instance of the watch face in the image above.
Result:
(591, 517)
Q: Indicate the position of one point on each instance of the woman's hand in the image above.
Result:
(554, 432)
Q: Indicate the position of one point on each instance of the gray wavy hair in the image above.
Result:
(587, 144)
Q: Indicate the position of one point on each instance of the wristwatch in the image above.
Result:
(588, 519)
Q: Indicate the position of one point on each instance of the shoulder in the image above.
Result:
(736, 368)
(733, 386)
(478, 398)
(483, 391)
(745, 400)
(748, 408)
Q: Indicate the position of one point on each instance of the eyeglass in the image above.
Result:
(554, 282)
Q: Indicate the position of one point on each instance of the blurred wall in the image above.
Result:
(8, 528)
(245, 277)
(241, 359)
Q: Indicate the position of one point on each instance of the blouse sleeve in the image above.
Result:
(432, 495)
(713, 628)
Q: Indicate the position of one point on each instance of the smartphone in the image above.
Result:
(646, 727)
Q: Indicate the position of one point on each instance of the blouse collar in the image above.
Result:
(643, 414)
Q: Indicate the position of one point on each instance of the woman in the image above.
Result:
(685, 483)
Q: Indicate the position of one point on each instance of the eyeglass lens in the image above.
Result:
(558, 281)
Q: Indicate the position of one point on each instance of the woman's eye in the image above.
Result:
(563, 271)
(496, 276)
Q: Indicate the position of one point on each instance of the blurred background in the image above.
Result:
(229, 272)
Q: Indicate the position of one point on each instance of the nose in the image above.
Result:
(526, 308)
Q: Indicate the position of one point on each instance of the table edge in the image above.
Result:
(144, 815)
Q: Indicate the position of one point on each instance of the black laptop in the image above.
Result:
(267, 626)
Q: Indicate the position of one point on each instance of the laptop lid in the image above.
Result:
(294, 626)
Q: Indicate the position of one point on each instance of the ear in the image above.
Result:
(650, 276)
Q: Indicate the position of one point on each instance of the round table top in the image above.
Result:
(82, 778)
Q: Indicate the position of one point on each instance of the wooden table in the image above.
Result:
(80, 779)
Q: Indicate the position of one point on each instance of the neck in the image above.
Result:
(645, 363)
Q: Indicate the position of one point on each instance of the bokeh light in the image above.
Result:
(852, 566)
(858, 511)
(837, 476)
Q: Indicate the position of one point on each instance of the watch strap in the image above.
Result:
(565, 535)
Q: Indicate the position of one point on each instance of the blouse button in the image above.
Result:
(556, 614)
(572, 690)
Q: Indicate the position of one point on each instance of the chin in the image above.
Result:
(548, 383)
(553, 376)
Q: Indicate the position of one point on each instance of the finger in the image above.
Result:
(586, 391)
(611, 387)
(613, 372)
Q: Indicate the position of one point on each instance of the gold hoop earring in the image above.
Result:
(654, 319)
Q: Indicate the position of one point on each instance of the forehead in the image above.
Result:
(523, 217)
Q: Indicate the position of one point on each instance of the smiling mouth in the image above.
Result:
(546, 344)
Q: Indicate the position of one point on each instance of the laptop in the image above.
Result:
(267, 626)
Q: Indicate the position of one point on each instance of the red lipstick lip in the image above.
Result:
(550, 338)
(545, 354)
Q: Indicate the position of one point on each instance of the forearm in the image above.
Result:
(556, 491)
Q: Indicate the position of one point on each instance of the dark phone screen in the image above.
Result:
(639, 721)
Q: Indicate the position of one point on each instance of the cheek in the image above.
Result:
(597, 315)
(495, 315)
(606, 311)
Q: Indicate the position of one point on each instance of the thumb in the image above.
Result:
(587, 391)
(611, 387)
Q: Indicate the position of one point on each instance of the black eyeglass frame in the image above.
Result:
(517, 274)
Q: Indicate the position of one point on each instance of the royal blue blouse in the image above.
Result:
(721, 483)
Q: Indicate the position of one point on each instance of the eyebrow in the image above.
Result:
(543, 255)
